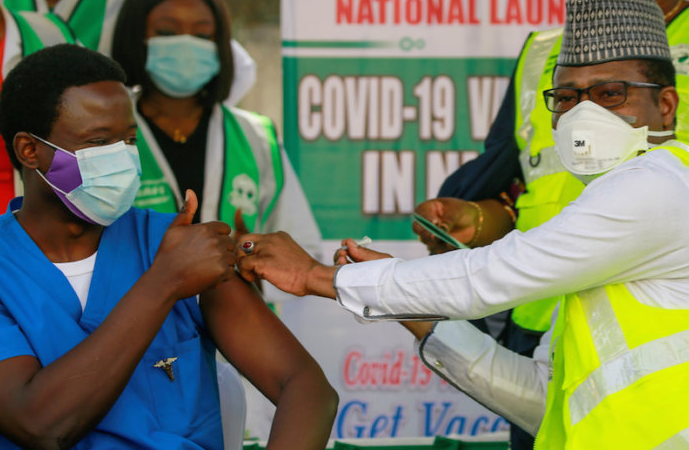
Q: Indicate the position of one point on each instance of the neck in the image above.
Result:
(156, 104)
(177, 117)
(61, 236)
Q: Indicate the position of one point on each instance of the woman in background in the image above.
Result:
(177, 54)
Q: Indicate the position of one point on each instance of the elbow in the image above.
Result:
(43, 441)
(325, 397)
(36, 436)
(331, 401)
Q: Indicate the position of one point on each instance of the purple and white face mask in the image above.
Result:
(98, 184)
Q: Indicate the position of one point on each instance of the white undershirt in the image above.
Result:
(79, 275)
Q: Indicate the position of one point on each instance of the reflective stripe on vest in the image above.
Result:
(620, 371)
(680, 441)
(678, 38)
(549, 187)
(620, 366)
(533, 125)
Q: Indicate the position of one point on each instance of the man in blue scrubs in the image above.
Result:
(103, 340)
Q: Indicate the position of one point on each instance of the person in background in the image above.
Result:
(110, 315)
(617, 366)
(93, 23)
(176, 53)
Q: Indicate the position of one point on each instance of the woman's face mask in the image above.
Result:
(98, 184)
(180, 66)
(591, 140)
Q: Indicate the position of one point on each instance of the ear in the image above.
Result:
(25, 149)
(668, 100)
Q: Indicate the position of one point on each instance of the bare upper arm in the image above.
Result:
(252, 337)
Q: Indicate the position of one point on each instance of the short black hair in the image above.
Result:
(659, 71)
(130, 50)
(31, 94)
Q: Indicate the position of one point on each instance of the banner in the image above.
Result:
(382, 100)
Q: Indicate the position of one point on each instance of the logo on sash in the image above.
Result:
(244, 194)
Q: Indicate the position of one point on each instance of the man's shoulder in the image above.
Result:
(657, 174)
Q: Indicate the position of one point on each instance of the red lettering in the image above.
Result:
(514, 13)
(396, 370)
(387, 371)
(344, 11)
(415, 369)
(350, 363)
(435, 11)
(365, 12)
(427, 374)
(411, 18)
(472, 13)
(455, 13)
(534, 17)
(382, 13)
(493, 12)
(556, 12)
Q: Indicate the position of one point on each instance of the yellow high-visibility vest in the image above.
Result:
(620, 372)
(549, 187)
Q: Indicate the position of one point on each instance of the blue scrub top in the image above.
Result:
(40, 315)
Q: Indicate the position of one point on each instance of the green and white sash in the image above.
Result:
(92, 21)
(38, 31)
(243, 169)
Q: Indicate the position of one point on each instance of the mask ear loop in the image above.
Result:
(49, 183)
(53, 146)
(661, 133)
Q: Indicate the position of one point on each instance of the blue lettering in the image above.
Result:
(496, 425)
(460, 421)
(396, 421)
(476, 429)
(354, 406)
(378, 425)
(432, 429)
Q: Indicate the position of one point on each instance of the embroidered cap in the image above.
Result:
(598, 31)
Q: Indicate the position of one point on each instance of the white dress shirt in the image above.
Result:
(629, 226)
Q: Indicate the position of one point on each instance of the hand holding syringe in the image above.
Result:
(356, 251)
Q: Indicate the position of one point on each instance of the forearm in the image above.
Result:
(507, 383)
(305, 412)
(320, 281)
(84, 383)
